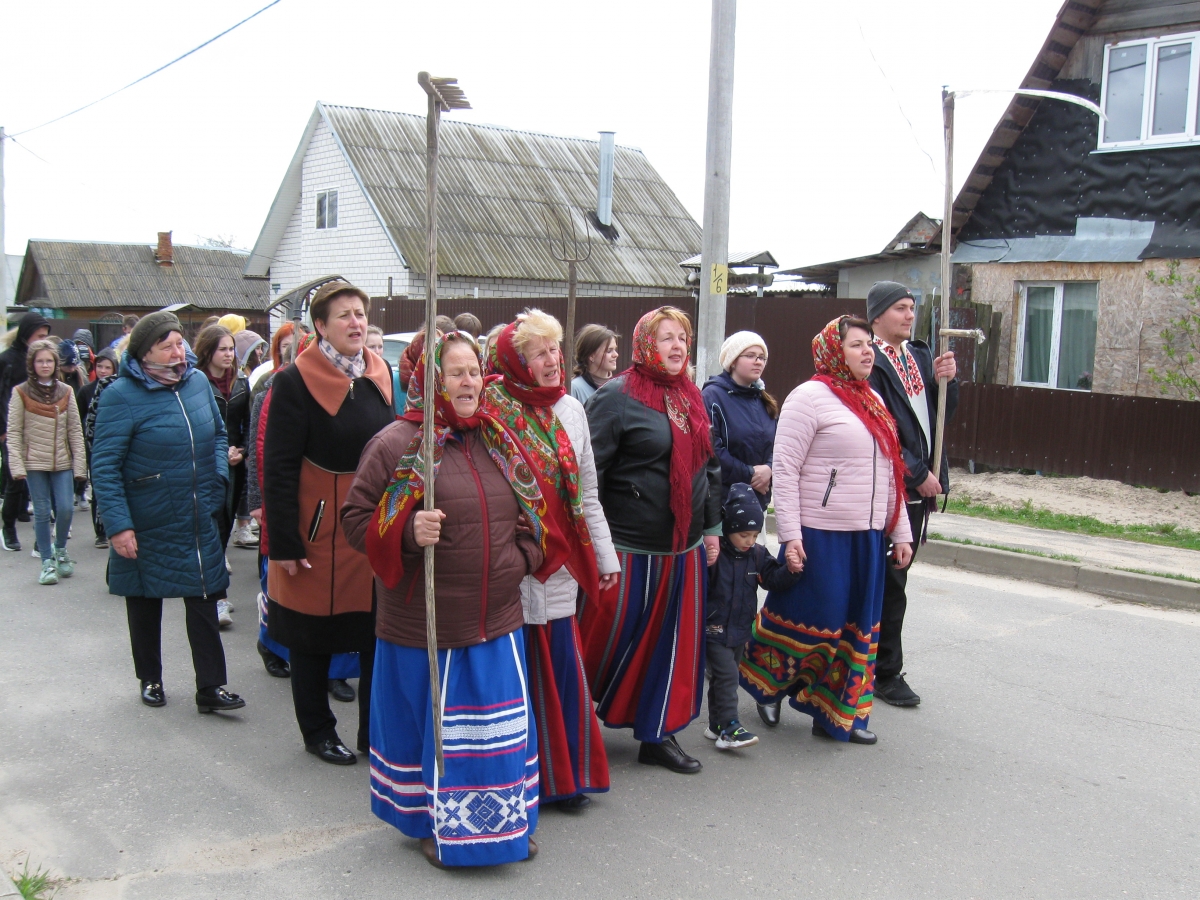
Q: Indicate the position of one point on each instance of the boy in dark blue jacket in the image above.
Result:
(733, 582)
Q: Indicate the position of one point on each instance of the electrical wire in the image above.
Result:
(891, 87)
(149, 74)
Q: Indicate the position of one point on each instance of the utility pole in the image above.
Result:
(714, 252)
(3, 253)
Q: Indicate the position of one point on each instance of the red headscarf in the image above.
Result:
(829, 357)
(407, 487)
(648, 382)
(410, 358)
(524, 409)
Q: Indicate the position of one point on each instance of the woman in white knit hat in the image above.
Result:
(743, 415)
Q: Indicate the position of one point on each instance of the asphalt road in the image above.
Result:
(1054, 756)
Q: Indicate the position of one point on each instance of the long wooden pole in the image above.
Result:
(947, 285)
(432, 122)
(569, 337)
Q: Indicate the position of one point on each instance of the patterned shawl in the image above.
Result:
(402, 496)
(829, 357)
(648, 382)
(525, 411)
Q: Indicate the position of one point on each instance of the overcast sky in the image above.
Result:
(825, 165)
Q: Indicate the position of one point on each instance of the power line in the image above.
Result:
(149, 74)
(891, 87)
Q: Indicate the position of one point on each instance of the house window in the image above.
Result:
(326, 209)
(1150, 92)
(1056, 346)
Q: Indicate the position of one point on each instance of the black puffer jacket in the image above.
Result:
(733, 581)
(632, 446)
(917, 452)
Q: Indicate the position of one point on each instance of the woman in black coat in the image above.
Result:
(325, 407)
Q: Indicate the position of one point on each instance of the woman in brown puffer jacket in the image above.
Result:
(45, 440)
(481, 556)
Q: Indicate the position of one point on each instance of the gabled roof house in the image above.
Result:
(352, 202)
(1068, 223)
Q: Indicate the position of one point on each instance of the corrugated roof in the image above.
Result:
(495, 187)
(75, 274)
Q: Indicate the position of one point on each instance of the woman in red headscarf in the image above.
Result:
(839, 495)
(660, 485)
(483, 809)
(530, 400)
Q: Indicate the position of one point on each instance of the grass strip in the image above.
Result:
(1166, 534)
(1160, 574)
(1065, 557)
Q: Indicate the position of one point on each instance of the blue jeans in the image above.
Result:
(57, 488)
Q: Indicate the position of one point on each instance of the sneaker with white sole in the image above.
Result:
(228, 567)
(49, 573)
(245, 538)
(733, 736)
(224, 619)
(66, 565)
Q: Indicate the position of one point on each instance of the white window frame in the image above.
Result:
(1055, 335)
(316, 201)
(1148, 140)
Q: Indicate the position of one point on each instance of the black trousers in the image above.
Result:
(204, 635)
(722, 664)
(889, 660)
(16, 493)
(310, 695)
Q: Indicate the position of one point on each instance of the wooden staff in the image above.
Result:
(442, 94)
(939, 433)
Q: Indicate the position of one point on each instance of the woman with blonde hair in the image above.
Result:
(660, 486)
(45, 439)
(530, 400)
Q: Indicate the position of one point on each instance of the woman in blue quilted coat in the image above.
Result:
(159, 469)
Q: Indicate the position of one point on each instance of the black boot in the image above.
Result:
(769, 713)
(341, 690)
(857, 735)
(669, 755)
(276, 665)
(8, 538)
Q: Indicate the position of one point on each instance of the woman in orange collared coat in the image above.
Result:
(324, 409)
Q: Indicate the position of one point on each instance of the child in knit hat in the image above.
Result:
(733, 581)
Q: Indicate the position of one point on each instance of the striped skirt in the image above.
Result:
(815, 643)
(571, 755)
(484, 809)
(643, 644)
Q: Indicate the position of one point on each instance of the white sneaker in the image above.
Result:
(244, 537)
(710, 734)
(228, 567)
(224, 619)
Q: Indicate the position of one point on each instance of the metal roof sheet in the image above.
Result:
(496, 186)
(78, 274)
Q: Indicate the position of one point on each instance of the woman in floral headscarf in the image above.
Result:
(660, 486)
(483, 809)
(839, 495)
(532, 403)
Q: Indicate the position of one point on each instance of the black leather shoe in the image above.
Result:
(578, 803)
(341, 690)
(332, 751)
(669, 755)
(769, 712)
(896, 692)
(276, 665)
(152, 694)
(857, 735)
(212, 699)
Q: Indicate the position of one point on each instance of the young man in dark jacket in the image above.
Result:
(906, 376)
(732, 604)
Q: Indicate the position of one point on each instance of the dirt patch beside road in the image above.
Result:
(1108, 501)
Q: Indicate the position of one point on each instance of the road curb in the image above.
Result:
(1129, 586)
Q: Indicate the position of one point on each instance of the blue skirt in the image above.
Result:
(484, 809)
(342, 665)
(815, 643)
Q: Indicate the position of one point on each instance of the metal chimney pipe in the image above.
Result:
(608, 150)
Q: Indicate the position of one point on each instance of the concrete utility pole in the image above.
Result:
(714, 252)
(3, 255)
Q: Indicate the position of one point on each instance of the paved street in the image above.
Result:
(1054, 756)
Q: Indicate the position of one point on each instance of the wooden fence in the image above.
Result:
(1137, 440)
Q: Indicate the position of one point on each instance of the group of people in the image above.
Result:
(594, 549)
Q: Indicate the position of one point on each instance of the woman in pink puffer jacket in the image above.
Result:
(839, 482)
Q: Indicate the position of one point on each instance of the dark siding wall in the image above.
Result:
(1051, 177)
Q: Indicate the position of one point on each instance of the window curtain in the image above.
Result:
(1039, 331)
(1077, 336)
